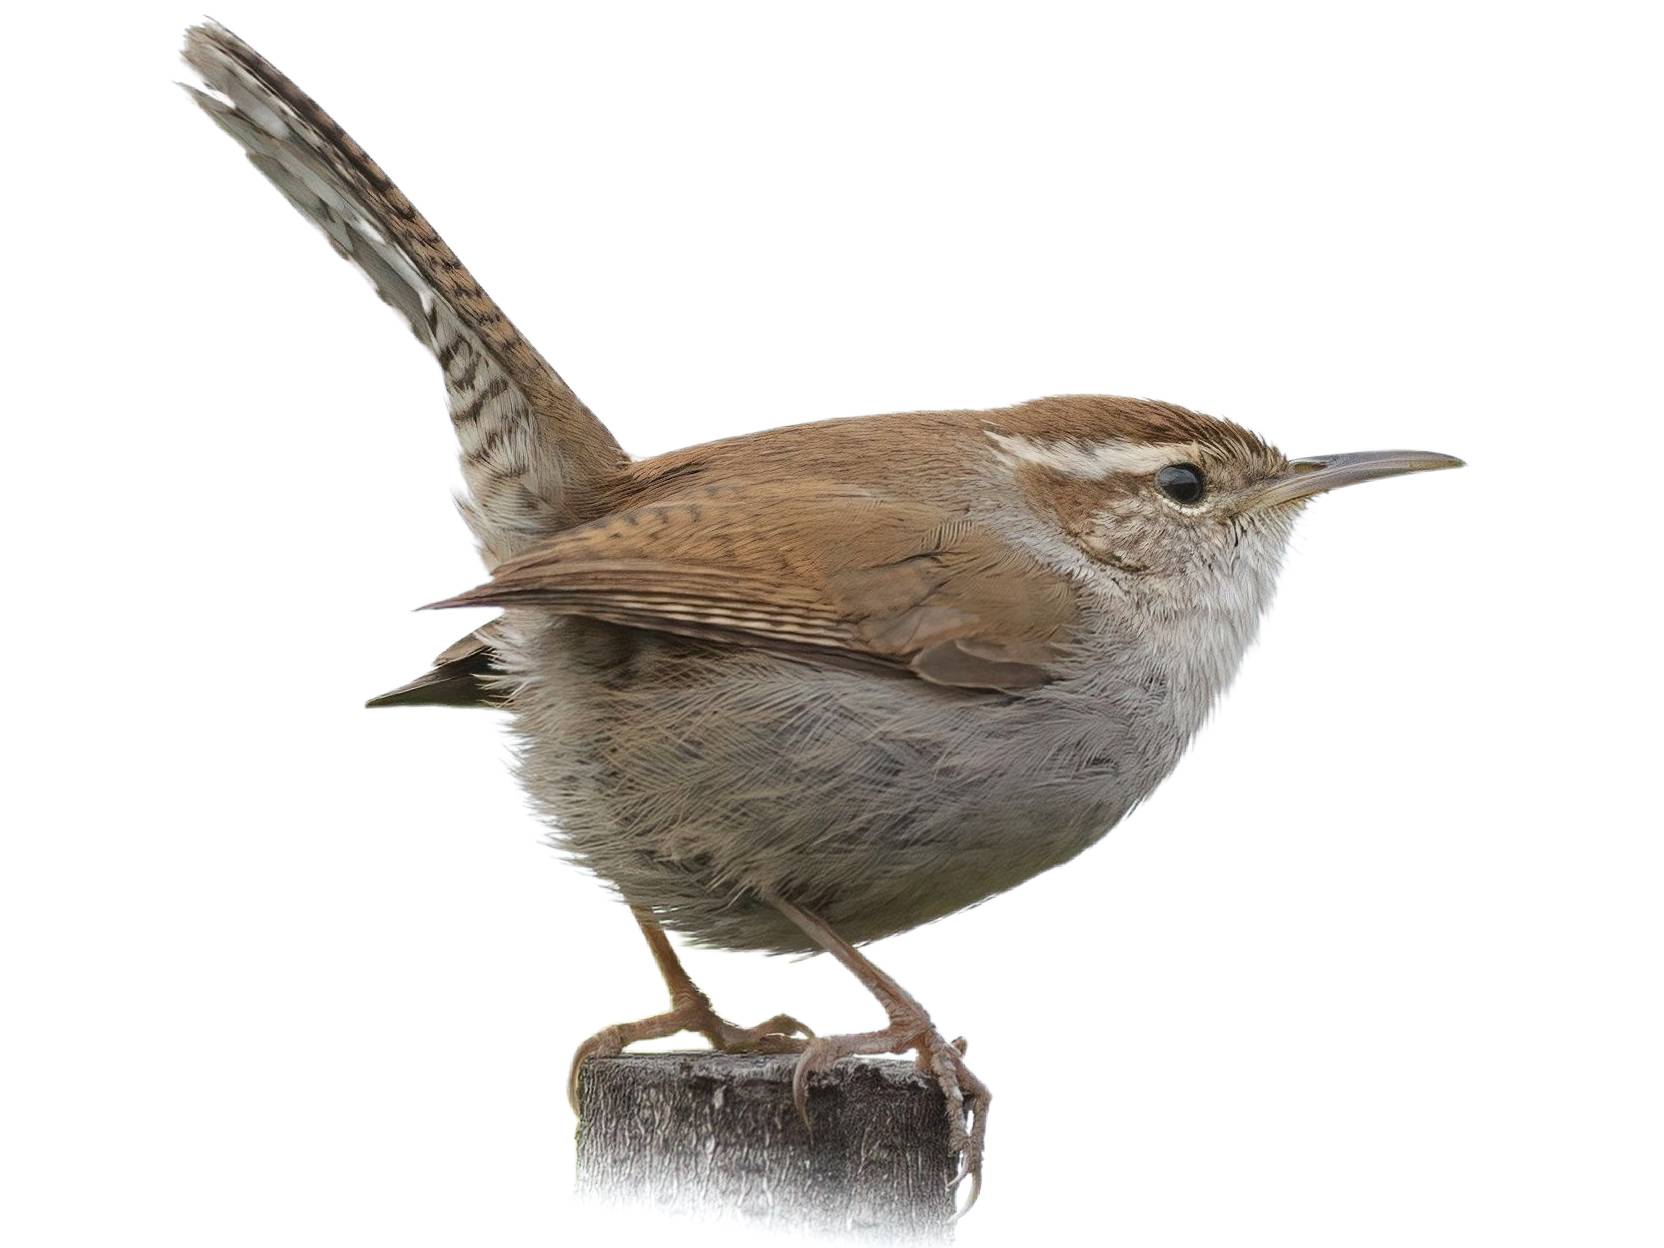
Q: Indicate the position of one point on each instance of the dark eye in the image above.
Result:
(1183, 483)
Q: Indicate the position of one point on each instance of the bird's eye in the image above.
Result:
(1183, 483)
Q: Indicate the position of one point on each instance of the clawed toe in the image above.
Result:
(819, 1053)
(780, 1034)
(967, 1103)
(967, 1096)
(608, 1042)
(969, 1099)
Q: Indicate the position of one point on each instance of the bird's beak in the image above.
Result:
(1306, 477)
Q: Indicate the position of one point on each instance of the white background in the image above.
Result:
(1379, 965)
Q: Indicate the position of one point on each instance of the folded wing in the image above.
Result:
(823, 572)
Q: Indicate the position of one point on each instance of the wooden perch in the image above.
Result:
(718, 1135)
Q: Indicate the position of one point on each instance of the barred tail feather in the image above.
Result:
(533, 455)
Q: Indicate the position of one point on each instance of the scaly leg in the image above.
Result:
(690, 1010)
(910, 1030)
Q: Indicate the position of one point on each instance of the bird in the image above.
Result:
(797, 690)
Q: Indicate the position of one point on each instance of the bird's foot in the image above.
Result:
(691, 1012)
(911, 1031)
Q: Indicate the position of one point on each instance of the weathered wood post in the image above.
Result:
(718, 1135)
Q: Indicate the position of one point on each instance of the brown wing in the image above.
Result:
(823, 572)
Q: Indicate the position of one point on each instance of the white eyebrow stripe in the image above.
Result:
(1094, 459)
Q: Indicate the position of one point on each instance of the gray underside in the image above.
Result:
(699, 780)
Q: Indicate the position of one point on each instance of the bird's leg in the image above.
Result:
(690, 1010)
(910, 1030)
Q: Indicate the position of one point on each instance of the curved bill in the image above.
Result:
(1318, 473)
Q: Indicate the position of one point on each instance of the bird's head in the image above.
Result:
(1164, 497)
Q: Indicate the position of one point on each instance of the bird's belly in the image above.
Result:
(697, 780)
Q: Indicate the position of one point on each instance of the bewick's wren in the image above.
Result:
(805, 688)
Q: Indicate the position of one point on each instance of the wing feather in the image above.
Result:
(900, 586)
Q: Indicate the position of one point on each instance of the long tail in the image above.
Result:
(532, 454)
